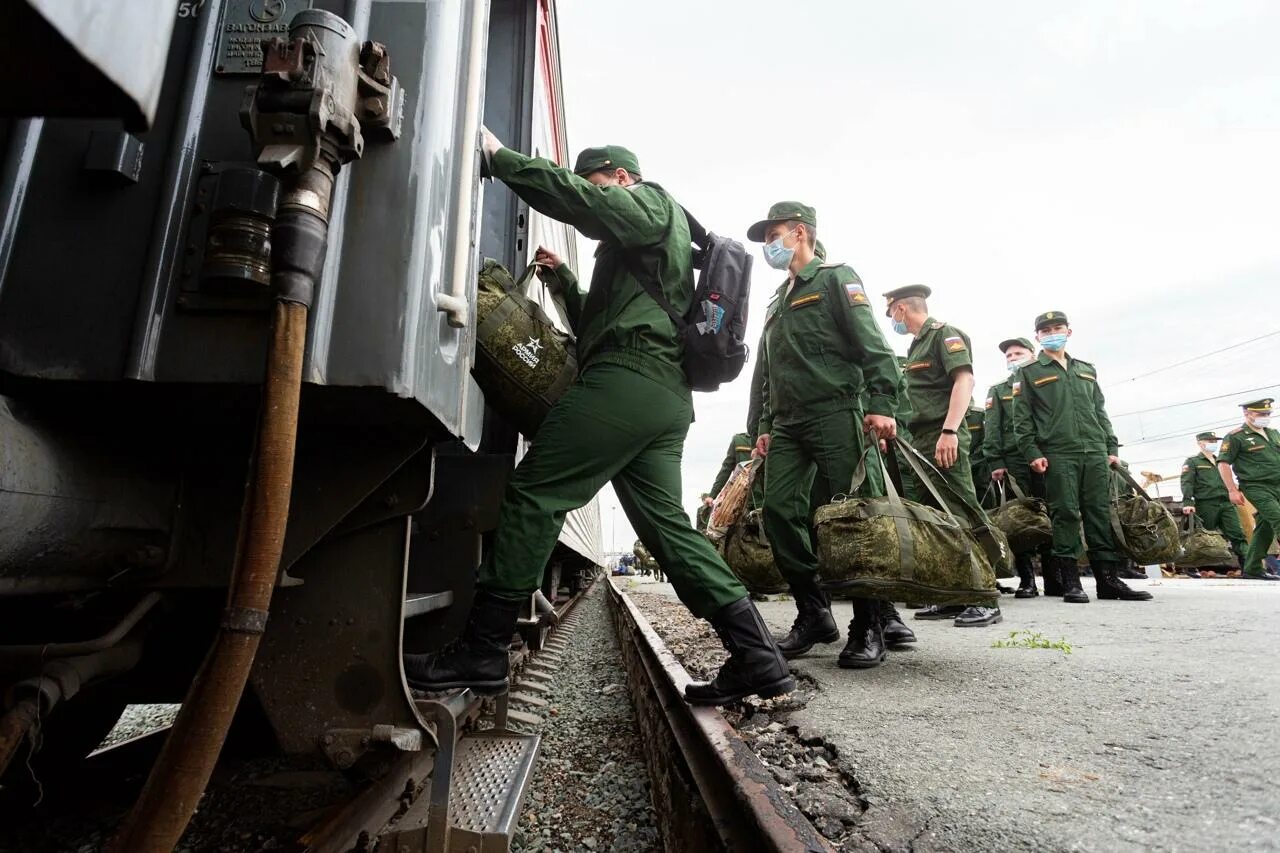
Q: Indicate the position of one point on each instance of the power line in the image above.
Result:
(1198, 357)
(1182, 433)
(1192, 402)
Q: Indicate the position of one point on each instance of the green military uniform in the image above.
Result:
(1000, 445)
(822, 352)
(740, 447)
(1059, 413)
(1254, 457)
(980, 471)
(703, 517)
(625, 418)
(1203, 489)
(936, 352)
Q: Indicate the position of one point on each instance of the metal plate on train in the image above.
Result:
(245, 23)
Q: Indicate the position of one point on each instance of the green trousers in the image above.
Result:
(808, 464)
(1222, 517)
(1265, 498)
(1078, 491)
(613, 425)
(959, 476)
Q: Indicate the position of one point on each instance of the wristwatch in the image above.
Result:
(946, 431)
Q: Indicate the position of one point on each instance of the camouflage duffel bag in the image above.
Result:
(887, 547)
(1204, 548)
(747, 551)
(1023, 520)
(524, 364)
(1144, 529)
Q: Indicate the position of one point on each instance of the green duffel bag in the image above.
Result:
(524, 364)
(887, 547)
(1144, 529)
(1204, 548)
(1023, 520)
(746, 549)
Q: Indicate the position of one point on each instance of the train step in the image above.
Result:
(485, 781)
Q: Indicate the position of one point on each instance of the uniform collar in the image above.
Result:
(810, 269)
(1044, 359)
(929, 323)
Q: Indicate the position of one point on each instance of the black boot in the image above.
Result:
(865, 648)
(813, 621)
(754, 666)
(1110, 587)
(1026, 577)
(476, 660)
(935, 612)
(1069, 571)
(896, 633)
(1052, 575)
(1127, 571)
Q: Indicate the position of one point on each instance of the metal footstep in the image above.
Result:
(487, 775)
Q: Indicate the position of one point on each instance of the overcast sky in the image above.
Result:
(1113, 160)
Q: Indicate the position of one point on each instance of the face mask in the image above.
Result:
(1212, 448)
(1262, 422)
(901, 327)
(778, 256)
(1054, 343)
(1022, 362)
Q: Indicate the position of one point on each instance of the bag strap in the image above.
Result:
(1124, 475)
(925, 473)
(1013, 487)
(557, 298)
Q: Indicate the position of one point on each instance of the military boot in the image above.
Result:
(478, 659)
(1069, 571)
(1026, 577)
(896, 632)
(1052, 575)
(813, 621)
(754, 666)
(866, 648)
(1110, 587)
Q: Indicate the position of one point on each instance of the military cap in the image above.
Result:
(921, 290)
(783, 211)
(1016, 342)
(1207, 436)
(1051, 318)
(606, 157)
(1263, 405)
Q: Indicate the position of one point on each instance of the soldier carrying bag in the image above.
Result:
(887, 547)
(1204, 548)
(1023, 520)
(524, 364)
(1144, 529)
(750, 557)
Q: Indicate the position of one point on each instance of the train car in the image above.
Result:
(178, 192)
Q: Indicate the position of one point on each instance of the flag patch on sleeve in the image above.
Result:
(954, 344)
(857, 296)
(990, 402)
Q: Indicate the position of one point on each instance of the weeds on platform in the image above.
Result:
(1031, 640)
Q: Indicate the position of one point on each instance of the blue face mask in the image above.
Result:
(1054, 343)
(776, 255)
(901, 327)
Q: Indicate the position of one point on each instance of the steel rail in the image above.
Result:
(711, 791)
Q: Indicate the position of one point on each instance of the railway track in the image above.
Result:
(711, 792)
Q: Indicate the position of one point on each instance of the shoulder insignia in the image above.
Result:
(830, 265)
(937, 326)
(1088, 376)
(1186, 468)
(1017, 388)
(954, 343)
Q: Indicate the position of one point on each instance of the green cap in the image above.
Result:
(1016, 342)
(1207, 436)
(783, 211)
(606, 157)
(1263, 405)
(1051, 318)
(921, 290)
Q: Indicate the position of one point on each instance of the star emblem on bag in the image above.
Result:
(534, 345)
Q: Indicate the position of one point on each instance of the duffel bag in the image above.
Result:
(731, 503)
(1204, 548)
(746, 550)
(1023, 520)
(1143, 528)
(887, 547)
(523, 364)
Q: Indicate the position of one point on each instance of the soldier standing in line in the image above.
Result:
(979, 470)
(1205, 495)
(940, 384)
(1252, 453)
(822, 353)
(1007, 465)
(1063, 432)
(631, 357)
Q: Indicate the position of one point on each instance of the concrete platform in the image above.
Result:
(1158, 732)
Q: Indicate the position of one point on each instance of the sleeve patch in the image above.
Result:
(990, 402)
(857, 296)
(1186, 468)
(1017, 389)
(954, 344)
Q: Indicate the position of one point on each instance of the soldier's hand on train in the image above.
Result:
(489, 143)
(546, 258)
(762, 445)
(999, 473)
(881, 426)
(1188, 510)
(947, 450)
(1113, 460)
(1236, 497)
(1040, 465)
